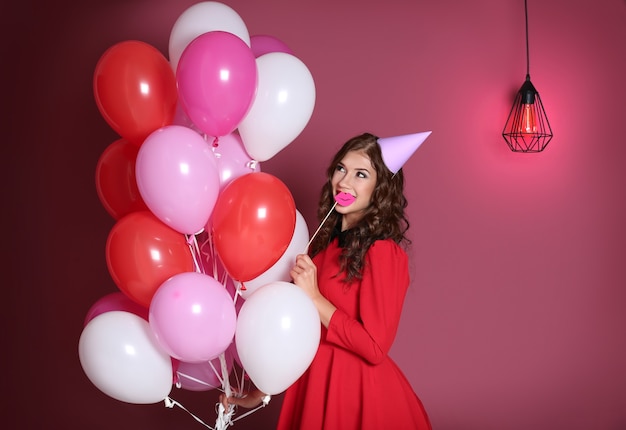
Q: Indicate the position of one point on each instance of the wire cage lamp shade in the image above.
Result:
(527, 129)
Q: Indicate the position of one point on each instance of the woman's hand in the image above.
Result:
(304, 275)
(249, 400)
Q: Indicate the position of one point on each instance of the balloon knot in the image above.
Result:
(216, 142)
(252, 164)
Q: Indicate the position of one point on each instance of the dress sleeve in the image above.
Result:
(383, 289)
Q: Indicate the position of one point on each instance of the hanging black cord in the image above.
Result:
(527, 51)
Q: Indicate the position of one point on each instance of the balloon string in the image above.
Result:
(217, 374)
(211, 254)
(224, 379)
(170, 403)
(196, 380)
(236, 296)
(195, 252)
(176, 380)
(262, 405)
(240, 381)
(224, 418)
(320, 227)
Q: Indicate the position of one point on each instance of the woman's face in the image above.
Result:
(354, 175)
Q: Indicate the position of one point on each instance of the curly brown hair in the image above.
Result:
(385, 218)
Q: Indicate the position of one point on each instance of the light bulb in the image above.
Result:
(528, 123)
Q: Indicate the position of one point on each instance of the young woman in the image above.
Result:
(357, 277)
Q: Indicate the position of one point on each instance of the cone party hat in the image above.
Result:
(398, 149)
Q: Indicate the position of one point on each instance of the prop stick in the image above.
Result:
(344, 199)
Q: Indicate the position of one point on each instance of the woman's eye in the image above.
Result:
(340, 169)
(361, 175)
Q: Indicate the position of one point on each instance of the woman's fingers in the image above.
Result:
(304, 263)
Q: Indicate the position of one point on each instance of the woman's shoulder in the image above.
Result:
(386, 247)
(386, 257)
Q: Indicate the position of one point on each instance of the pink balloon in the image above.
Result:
(177, 177)
(264, 44)
(232, 159)
(202, 376)
(193, 317)
(115, 302)
(217, 81)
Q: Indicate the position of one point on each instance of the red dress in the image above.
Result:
(352, 384)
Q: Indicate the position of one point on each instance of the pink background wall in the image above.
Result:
(515, 318)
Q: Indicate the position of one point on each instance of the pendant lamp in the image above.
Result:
(527, 129)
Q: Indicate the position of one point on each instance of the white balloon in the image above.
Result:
(280, 270)
(199, 19)
(121, 356)
(278, 332)
(282, 106)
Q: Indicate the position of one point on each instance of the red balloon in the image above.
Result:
(142, 253)
(135, 89)
(253, 221)
(116, 182)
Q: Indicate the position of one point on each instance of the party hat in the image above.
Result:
(398, 149)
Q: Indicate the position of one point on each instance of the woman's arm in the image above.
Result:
(381, 297)
(383, 288)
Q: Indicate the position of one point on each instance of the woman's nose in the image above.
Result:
(343, 181)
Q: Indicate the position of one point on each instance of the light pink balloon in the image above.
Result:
(177, 178)
(115, 302)
(217, 79)
(264, 44)
(232, 159)
(202, 376)
(193, 317)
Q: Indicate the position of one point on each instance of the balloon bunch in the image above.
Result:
(203, 240)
